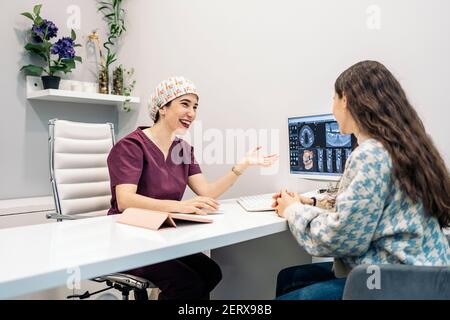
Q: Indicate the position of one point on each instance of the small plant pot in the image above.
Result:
(103, 80)
(50, 82)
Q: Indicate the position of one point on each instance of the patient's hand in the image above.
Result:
(299, 197)
(278, 195)
(284, 199)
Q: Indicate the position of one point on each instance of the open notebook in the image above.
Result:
(154, 220)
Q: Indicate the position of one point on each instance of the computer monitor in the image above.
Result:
(317, 149)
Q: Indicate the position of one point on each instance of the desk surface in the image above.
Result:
(39, 257)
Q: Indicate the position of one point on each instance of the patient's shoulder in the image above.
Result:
(369, 154)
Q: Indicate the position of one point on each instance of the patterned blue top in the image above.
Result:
(374, 221)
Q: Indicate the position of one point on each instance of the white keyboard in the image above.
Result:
(263, 202)
(256, 203)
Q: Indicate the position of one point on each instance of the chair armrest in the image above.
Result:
(128, 280)
(397, 282)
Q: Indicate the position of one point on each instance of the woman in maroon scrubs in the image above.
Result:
(150, 168)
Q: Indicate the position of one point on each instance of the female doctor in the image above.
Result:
(150, 169)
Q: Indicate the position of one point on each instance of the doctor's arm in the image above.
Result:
(127, 197)
(125, 164)
(200, 185)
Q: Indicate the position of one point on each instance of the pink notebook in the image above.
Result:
(154, 220)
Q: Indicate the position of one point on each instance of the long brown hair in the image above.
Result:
(379, 106)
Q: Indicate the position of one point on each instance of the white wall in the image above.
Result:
(255, 62)
(24, 124)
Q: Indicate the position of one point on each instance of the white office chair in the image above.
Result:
(81, 188)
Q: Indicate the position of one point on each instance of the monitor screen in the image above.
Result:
(317, 148)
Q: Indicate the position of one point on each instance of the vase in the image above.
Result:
(50, 82)
(103, 81)
(118, 81)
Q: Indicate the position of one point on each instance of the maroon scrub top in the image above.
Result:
(136, 159)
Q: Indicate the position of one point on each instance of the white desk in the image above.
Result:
(43, 256)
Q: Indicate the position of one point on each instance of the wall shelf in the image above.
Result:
(35, 92)
(79, 97)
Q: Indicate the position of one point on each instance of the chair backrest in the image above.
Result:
(397, 282)
(78, 166)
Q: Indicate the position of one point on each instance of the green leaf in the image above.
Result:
(37, 9)
(65, 66)
(105, 3)
(69, 63)
(28, 15)
(79, 59)
(103, 8)
(77, 45)
(39, 49)
(43, 47)
(110, 58)
(32, 70)
(38, 21)
(73, 35)
(55, 69)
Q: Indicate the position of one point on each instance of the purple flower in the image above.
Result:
(46, 29)
(64, 48)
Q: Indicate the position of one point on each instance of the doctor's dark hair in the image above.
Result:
(157, 114)
(379, 106)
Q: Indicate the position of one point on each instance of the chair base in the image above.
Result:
(124, 283)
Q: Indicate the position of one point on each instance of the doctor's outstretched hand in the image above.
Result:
(253, 158)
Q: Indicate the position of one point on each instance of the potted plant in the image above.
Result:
(128, 87)
(123, 85)
(113, 14)
(58, 57)
(118, 82)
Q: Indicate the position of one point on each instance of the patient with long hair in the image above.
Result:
(392, 201)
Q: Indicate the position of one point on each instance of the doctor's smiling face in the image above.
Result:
(180, 113)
